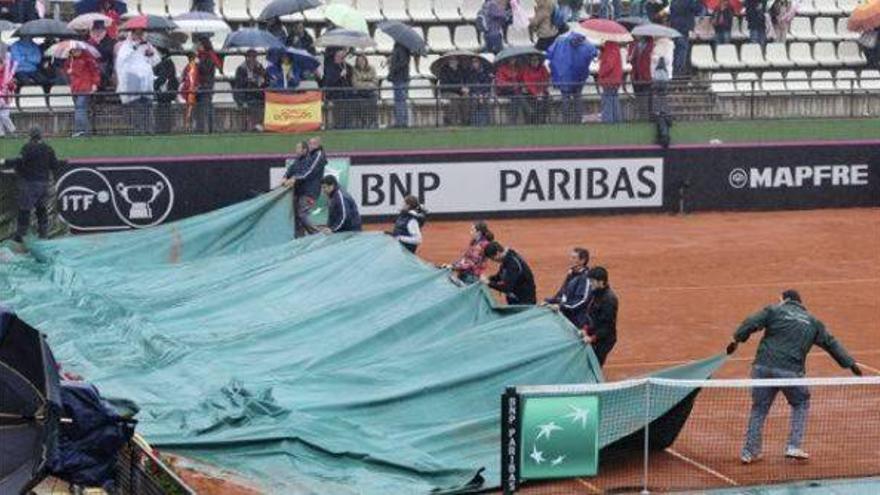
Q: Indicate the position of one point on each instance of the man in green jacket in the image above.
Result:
(789, 333)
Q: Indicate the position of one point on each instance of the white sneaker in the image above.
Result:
(796, 453)
(748, 458)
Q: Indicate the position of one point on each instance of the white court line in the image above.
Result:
(639, 364)
(593, 488)
(704, 468)
(760, 284)
(869, 368)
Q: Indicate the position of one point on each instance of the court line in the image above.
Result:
(639, 364)
(703, 467)
(869, 368)
(748, 286)
(593, 488)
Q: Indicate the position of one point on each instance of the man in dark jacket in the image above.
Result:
(790, 331)
(166, 85)
(682, 18)
(452, 85)
(600, 331)
(572, 297)
(756, 11)
(342, 214)
(32, 169)
(398, 75)
(514, 277)
(250, 80)
(304, 173)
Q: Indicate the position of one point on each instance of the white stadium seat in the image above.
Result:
(518, 37)
(371, 10)
(847, 6)
(849, 53)
(801, 56)
(466, 37)
(821, 80)
(797, 80)
(421, 10)
(60, 98)
(178, 7)
(153, 7)
(802, 29)
(231, 63)
(32, 97)
(255, 7)
(825, 29)
(772, 82)
(469, 9)
(740, 29)
(447, 10)
(702, 57)
(846, 80)
(827, 7)
(722, 82)
(806, 7)
(394, 9)
(384, 43)
(825, 54)
(235, 10)
(727, 57)
(870, 80)
(777, 55)
(439, 39)
(223, 93)
(380, 63)
(843, 32)
(753, 57)
(746, 82)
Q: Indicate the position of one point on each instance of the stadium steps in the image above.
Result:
(692, 99)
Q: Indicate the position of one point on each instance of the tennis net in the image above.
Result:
(696, 432)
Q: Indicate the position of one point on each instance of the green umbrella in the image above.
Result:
(346, 17)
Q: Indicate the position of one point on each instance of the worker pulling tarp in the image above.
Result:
(331, 364)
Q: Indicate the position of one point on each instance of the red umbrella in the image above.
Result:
(148, 23)
(713, 5)
(605, 30)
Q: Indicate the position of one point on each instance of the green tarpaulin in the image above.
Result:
(334, 364)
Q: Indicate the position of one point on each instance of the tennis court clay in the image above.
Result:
(684, 284)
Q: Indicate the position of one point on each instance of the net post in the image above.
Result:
(510, 427)
(647, 450)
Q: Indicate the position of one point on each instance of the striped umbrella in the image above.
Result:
(84, 22)
(62, 49)
(149, 23)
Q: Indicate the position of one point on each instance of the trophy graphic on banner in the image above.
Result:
(140, 196)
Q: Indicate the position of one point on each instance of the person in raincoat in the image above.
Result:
(135, 59)
(570, 56)
(102, 42)
(479, 85)
(281, 73)
(536, 90)
(209, 62)
(640, 58)
(452, 85)
(85, 78)
(508, 84)
(7, 89)
(189, 86)
(28, 60)
(610, 80)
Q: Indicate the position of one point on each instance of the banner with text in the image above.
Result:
(293, 112)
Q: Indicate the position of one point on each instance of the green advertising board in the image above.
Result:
(559, 437)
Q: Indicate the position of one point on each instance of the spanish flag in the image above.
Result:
(293, 112)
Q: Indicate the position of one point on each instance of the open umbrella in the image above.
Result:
(278, 8)
(190, 24)
(196, 16)
(865, 17)
(631, 21)
(84, 22)
(252, 38)
(463, 56)
(62, 49)
(655, 31)
(86, 6)
(513, 52)
(167, 41)
(30, 407)
(603, 30)
(345, 38)
(148, 22)
(346, 17)
(405, 35)
(6, 25)
(301, 58)
(45, 27)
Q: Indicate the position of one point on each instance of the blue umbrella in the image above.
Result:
(301, 58)
(278, 8)
(30, 407)
(252, 38)
(405, 35)
(86, 6)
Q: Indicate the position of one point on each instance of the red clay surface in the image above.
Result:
(684, 283)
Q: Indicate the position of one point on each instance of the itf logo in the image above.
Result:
(112, 198)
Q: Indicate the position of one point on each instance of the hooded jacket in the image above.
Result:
(610, 66)
(570, 56)
(83, 74)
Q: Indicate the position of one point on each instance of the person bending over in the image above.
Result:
(470, 267)
(342, 214)
(514, 278)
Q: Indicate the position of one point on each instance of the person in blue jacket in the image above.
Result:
(570, 56)
(342, 214)
(27, 56)
(571, 298)
(282, 72)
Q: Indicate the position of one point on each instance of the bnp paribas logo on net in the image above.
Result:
(559, 437)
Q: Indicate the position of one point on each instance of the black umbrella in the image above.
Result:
(512, 52)
(197, 16)
(252, 38)
(631, 21)
(6, 25)
(43, 28)
(30, 407)
(167, 41)
(405, 35)
(463, 57)
(278, 8)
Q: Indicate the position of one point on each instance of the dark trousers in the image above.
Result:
(32, 195)
(204, 112)
(602, 349)
(303, 208)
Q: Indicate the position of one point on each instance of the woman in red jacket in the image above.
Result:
(610, 79)
(84, 76)
(640, 58)
(536, 86)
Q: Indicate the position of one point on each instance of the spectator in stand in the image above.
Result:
(342, 212)
(208, 63)
(722, 21)
(250, 80)
(452, 85)
(337, 89)
(682, 18)
(470, 267)
(610, 9)
(570, 56)
(135, 59)
(408, 225)
(203, 6)
(514, 277)
(104, 44)
(398, 75)
(662, 60)
(28, 59)
(756, 17)
(542, 24)
(536, 85)
(491, 21)
(366, 91)
(276, 28)
(84, 76)
(571, 298)
(165, 85)
(610, 80)
(601, 327)
(189, 86)
(654, 10)
(281, 73)
(640, 59)
(479, 86)
(509, 84)
(51, 66)
(108, 8)
(300, 38)
(20, 11)
(781, 14)
(7, 89)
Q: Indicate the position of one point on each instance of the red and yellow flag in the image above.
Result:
(293, 112)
